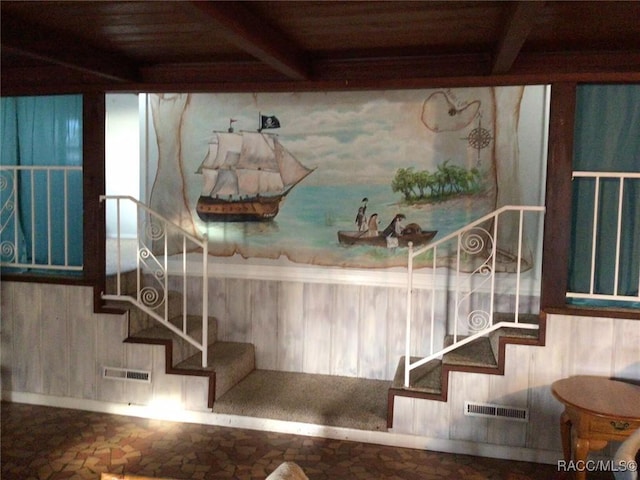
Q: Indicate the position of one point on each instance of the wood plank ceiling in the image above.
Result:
(296, 45)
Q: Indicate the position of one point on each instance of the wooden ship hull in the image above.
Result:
(245, 177)
(258, 209)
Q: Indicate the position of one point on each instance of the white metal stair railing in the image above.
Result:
(472, 261)
(152, 253)
(623, 180)
(48, 193)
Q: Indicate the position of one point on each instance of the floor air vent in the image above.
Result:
(126, 374)
(490, 410)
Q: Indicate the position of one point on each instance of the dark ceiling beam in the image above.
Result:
(38, 42)
(522, 18)
(249, 32)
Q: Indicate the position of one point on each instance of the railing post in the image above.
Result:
(205, 300)
(407, 357)
(494, 254)
(460, 249)
(518, 267)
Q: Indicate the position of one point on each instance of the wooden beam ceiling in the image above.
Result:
(252, 34)
(521, 21)
(58, 48)
(274, 46)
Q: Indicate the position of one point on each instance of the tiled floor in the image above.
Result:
(53, 443)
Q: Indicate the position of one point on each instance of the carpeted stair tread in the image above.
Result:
(194, 329)
(128, 282)
(139, 320)
(529, 318)
(232, 361)
(317, 399)
(426, 378)
(477, 353)
(517, 332)
(182, 349)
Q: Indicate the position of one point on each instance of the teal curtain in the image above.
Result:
(44, 131)
(11, 236)
(607, 139)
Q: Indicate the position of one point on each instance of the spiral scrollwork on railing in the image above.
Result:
(478, 320)
(154, 230)
(4, 181)
(8, 251)
(8, 205)
(147, 257)
(475, 241)
(151, 297)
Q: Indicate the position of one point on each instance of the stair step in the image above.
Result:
(477, 353)
(328, 400)
(139, 320)
(427, 378)
(530, 318)
(128, 283)
(232, 361)
(182, 349)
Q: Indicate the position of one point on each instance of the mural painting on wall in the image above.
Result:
(335, 179)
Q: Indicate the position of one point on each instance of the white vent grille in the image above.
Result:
(125, 374)
(490, 410)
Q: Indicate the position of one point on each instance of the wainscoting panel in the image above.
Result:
(7, 334)
(318, 318)
(54, 332)
(473, 387)
(290, 312)
(110, 331)
(510, 389)
(344, 334)
(626, 345)
(140, 357)
(27, 316)
(317, 327)
(82, 345)
(264, 324)
(374, 305)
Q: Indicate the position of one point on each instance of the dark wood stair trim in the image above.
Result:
(446, 368)
(171, 370)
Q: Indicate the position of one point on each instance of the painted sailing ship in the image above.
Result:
(246, 175)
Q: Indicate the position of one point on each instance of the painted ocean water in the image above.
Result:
(305, 230)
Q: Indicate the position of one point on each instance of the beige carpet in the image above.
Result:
(318, 399)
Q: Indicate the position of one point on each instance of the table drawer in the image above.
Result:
(616, 427)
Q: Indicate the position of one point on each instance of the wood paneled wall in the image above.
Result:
(54, 345)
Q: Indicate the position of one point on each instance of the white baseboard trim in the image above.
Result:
(389, 438)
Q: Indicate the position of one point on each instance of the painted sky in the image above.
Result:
(373, 133)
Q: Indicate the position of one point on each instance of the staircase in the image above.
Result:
(484, 355)
(476, 334)
(480, 274)
(227, 362)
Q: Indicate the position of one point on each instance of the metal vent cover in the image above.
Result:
(126, 374)
(491, 410)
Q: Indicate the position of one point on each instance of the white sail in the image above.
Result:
(249, 164)
(210, 179)
(209, 158)
(226, 185)
(290, 168)
(258, 152)
(259, 182)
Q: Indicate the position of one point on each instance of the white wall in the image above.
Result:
(122, 162)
